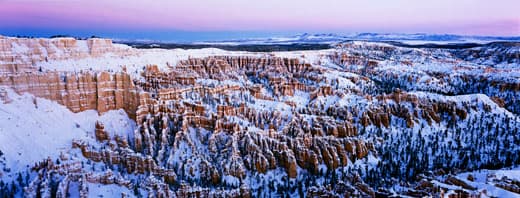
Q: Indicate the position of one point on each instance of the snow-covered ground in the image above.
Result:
(135, 63)
(32, 129)
(110, 190)
(484, 181)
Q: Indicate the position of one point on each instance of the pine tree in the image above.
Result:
(19, 179)
(14, 190)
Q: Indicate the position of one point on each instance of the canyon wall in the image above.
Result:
(21, 54)
(101, 91)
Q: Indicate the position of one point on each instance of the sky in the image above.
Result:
(132, 18)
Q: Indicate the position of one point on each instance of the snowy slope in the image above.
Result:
(32, 129)
(485, 181)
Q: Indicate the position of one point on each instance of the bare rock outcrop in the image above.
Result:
(79, 91)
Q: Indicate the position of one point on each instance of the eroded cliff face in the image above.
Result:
(82, 91)
(240, 126)
(21, 54)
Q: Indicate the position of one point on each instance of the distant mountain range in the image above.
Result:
(308, 41)
(237, 38)
(334, 38)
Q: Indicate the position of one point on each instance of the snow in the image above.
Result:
(17, 48)
(334, 38)
(468, 98)
(481, 176)
(422, 42)
(307, 56)
(134, 63)
(231, 180)
(117, 123)
(82, 45)
(110, 190)
(341, 77)
(163, 58)
(483, 180)
(74, 189)
(48, 128)
(268, 105)
(300, 98)
(511, 174)
(212, 82)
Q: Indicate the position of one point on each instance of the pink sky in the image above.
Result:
(478, 17)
